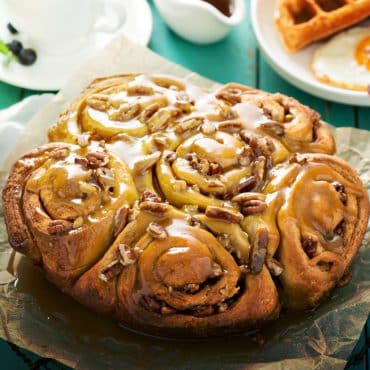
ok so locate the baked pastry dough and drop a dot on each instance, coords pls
(180, 212)
(301, 22)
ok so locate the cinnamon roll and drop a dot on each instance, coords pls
(181, 212)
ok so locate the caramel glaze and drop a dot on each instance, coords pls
(176, 211)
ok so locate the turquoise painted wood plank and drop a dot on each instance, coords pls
(339, 115)
(364, 118)
(231, 59)
(8, 95)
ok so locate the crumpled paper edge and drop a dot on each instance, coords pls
(321, 352)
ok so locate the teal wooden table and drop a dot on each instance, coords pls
(238, 59)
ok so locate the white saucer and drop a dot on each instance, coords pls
(50, 72)
(295, 68)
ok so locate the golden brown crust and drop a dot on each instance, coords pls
(176, 211)
(301, 22)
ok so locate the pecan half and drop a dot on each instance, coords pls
(111, 271)
(157, 209)
(244, 185)
(253, 206)
(120, 220)
(156, 231)
(259, 251)
(56, 227)
(224, 214)
(97, 159)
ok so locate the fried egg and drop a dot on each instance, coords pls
(344, 60)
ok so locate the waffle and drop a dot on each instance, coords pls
(301, 22)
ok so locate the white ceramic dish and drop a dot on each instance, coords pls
(198, 21)
(295, 68)
(51, 71)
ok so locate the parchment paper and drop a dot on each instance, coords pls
(36, 316)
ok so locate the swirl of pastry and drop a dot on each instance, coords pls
(322, 211)
(63, 204)
(296, 126)
(132, 104)
(168, 275)
(207, 169)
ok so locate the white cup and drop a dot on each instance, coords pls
(54, 26)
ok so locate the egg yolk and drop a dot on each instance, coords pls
(362, 53)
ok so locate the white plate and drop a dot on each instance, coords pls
(50, 72)
(295, 68)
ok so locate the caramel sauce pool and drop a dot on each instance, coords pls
(98, 341)
(226, 7)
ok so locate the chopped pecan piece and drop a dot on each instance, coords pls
(190, 288)
(188, 125)
(230, 126)
(232, 96)
(97, 159)
(139, 90)
(309, 246)
(111, 271)
(216, 270)
(274, 128)
(157, 231)
(245, 185)
(56, 227)
(159, 120)
(127, 255)
(120, 220)
(157, 209)
(59, 153)
(224, 214)
(148, 112)
(126, 113)
(259, 251)
(246, 156)
(147, 195)
(275, 267)
(98, 102)
(82, 161)
(297, 158)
